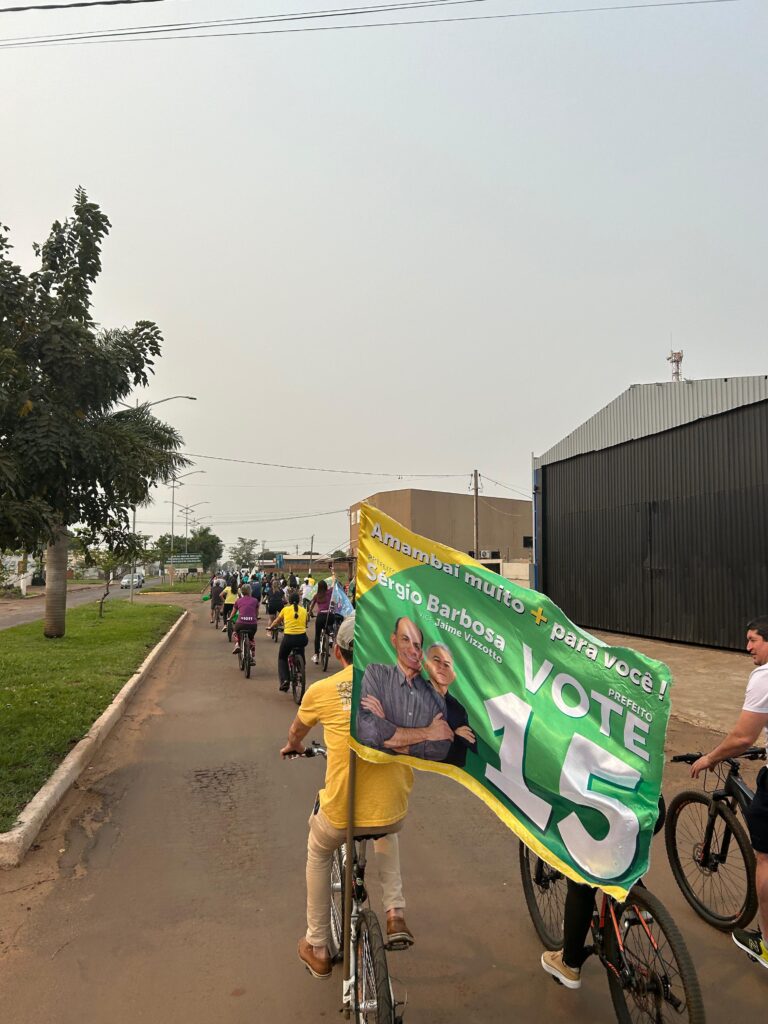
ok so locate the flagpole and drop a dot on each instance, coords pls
(347, 1002)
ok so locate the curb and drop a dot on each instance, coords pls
(15, 843)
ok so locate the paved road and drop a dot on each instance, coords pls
(169, 886)
(15, 613)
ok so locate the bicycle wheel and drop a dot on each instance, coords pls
(240, 656)
(652, 979)
(325, 651)
(372, 992)
(722, 891)
(247, 658)
(338, 867)
(298, 678)
(544, 889)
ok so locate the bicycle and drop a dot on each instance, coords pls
(297, 674)
(327, 638)
(367, 993)
(708, 848)
(275, 630)
(651, 976)
(217, 617)
(246, 654)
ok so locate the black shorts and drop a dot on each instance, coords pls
(757, 814)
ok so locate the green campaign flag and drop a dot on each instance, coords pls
(462, 672)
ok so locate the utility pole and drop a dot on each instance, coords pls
(311, 549)
(476, 515)
(173, 508)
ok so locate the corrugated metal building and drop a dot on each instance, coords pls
(652, 517)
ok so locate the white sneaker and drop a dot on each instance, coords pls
(223, 629)
(315, 659)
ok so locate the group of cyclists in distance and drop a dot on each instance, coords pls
(290, 606)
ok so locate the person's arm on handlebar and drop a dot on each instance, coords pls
(743, 735)
(296, 734)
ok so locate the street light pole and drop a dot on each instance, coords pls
(174, 479)
(149, 405)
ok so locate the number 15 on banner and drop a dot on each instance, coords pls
(606, 858)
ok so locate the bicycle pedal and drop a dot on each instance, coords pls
(397, 944)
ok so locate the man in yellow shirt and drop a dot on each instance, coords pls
(381, 804)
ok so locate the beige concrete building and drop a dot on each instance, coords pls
(505, 524)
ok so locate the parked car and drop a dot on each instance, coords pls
(138, 581)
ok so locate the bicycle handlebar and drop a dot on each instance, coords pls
(753, 754)
(314, 750)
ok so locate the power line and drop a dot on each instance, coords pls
(515, 490)
(319, 469)
(191, 26)
(498, 511)
(251, 522)
(78, 3)
(141, 34)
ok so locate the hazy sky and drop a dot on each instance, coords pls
(410, 250)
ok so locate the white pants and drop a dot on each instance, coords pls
(323, 840)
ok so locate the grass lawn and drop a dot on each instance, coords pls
(188, 587)
(52, 691)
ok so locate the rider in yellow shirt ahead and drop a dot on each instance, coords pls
(381, 804)
(294, 620)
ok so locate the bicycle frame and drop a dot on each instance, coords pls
(733, 792)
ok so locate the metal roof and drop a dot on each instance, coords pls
(645, 409)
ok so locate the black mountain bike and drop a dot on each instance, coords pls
(247, 651)
(708, 848)
(651, 976)
(327, 640)
(297, 674)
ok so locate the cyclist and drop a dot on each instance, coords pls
(565, 964)
(326, 619)
(217, 586)
(381, 804)
(275, 602)
(305, 591)
(750, 723)
(294, 619)
(228, 595)
(247, 608)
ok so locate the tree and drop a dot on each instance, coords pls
(68, 454)
(244, 552)
(160, 550)
(208, 544)
(339, 554)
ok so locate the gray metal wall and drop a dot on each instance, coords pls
(666, 536)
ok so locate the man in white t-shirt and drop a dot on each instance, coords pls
(750, 723)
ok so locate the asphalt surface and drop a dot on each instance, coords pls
(169, 885)
(16, 613)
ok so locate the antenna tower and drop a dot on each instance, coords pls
(676, 358)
